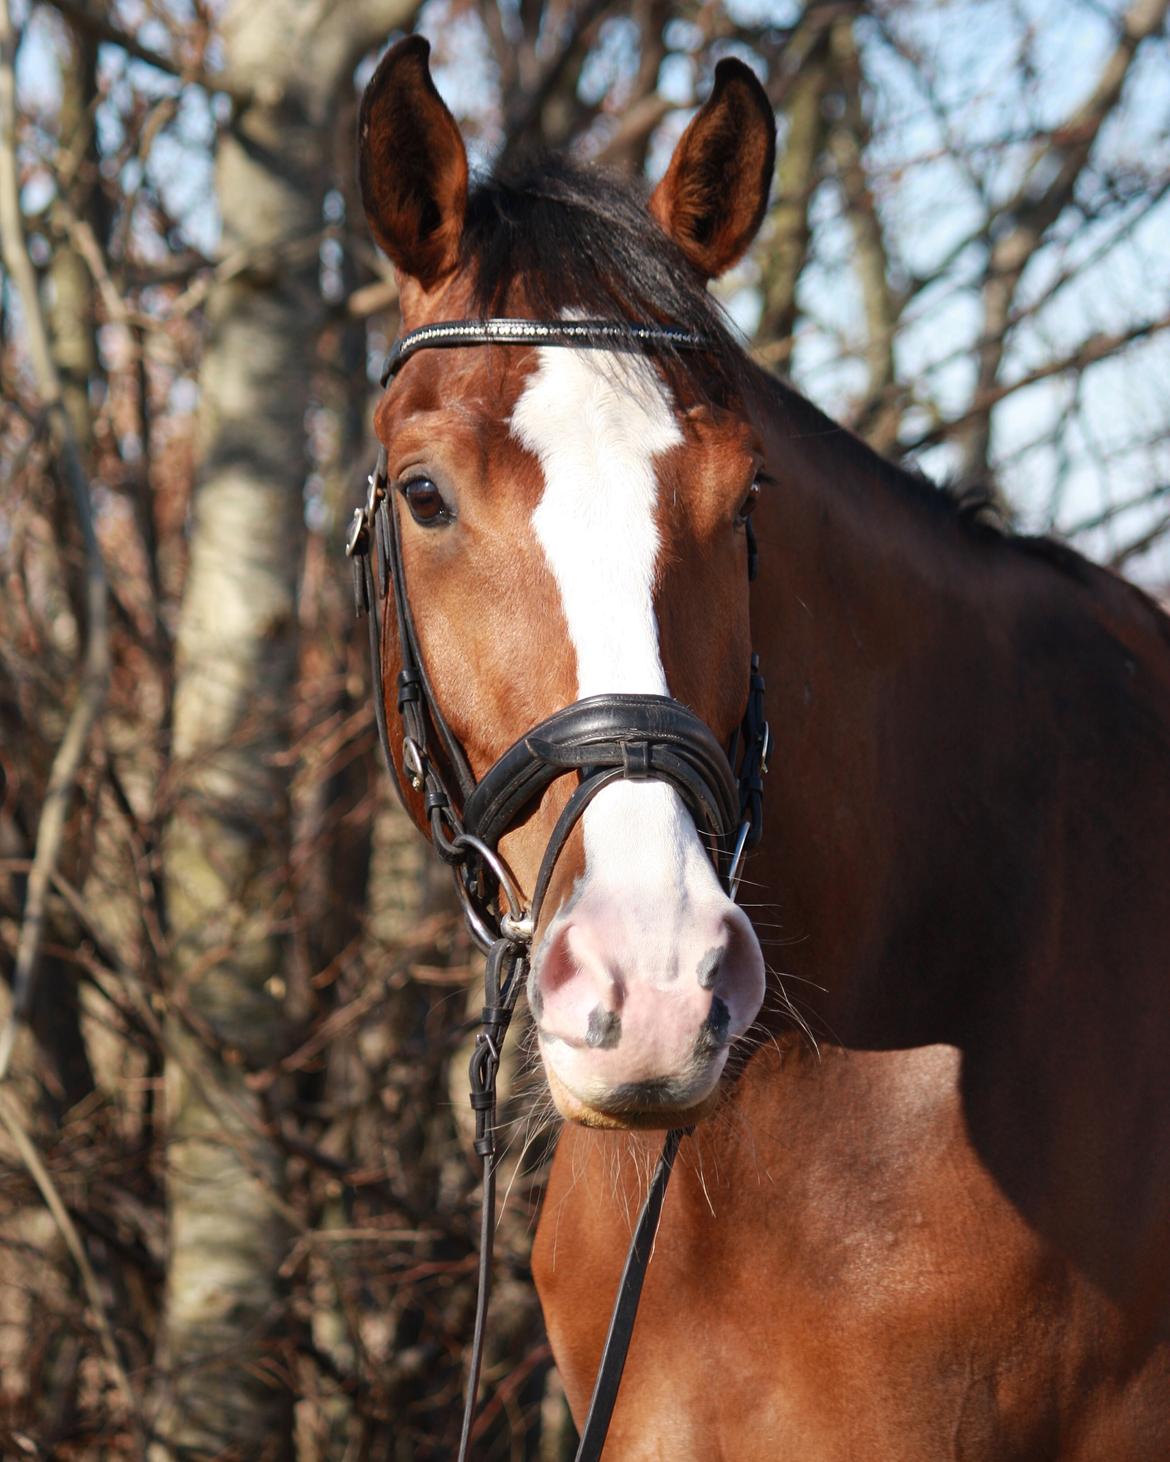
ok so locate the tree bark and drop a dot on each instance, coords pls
(225, 856)
(71, 318)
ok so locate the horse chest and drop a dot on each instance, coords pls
(827, 1286)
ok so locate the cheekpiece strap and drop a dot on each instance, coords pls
(505, 971)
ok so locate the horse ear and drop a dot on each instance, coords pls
(412, 166)
(713, 197)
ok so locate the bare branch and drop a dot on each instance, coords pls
(54, 1203)
(370, 299)
(1109, 514)
(1089, 352)
(87, 17)
(368, 23)
(633, 130)
(524, 115)
(96, 665)
(797, 175)
(879, 417)
(1138, 545)
(1032, 212)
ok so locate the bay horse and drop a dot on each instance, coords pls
(924, 1208)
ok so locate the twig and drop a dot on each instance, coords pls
(1141, 543)
(267, 259)
(1015, 231)
(54, 1203)
(1089, 352)
(634, 127)
(226, 1109)
(91, 19)
(96, 666)
(878, 418)
(368, 299)
(1108, 514)
(530, 100)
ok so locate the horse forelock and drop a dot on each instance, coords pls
(550, 237)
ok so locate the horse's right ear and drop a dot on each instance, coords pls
(713, 196)
(412, 165)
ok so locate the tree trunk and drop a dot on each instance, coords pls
(225, 857)
(226, 846)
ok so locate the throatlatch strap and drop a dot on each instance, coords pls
(416, 708)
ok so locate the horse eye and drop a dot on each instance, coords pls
(747, 507)
(425, 502)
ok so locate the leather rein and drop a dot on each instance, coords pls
(601, 739)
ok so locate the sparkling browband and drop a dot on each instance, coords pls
(589, 334)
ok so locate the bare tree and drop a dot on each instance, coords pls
(237, 1206)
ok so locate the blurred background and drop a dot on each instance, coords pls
(237, 1196)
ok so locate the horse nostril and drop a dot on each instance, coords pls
(573, 992)
(708, 967)
(734, 972)
(604, 1029)
(715, 1029)
(555, 964)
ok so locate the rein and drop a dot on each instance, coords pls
(602, 739)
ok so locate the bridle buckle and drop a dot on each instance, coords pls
(519, 931)
(733, 870)
(375, 491)
(412, 763)
(357, 531)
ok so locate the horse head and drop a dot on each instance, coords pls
(570, 547)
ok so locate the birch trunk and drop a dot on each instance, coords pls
(226, 847)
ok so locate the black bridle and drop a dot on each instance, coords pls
(602, 739)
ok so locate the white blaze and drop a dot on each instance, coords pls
(596, 426)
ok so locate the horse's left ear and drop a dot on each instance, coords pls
(412, 166)
(713, 197)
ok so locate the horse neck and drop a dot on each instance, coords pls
(882, 629)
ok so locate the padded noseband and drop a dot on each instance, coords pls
(635, 737)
